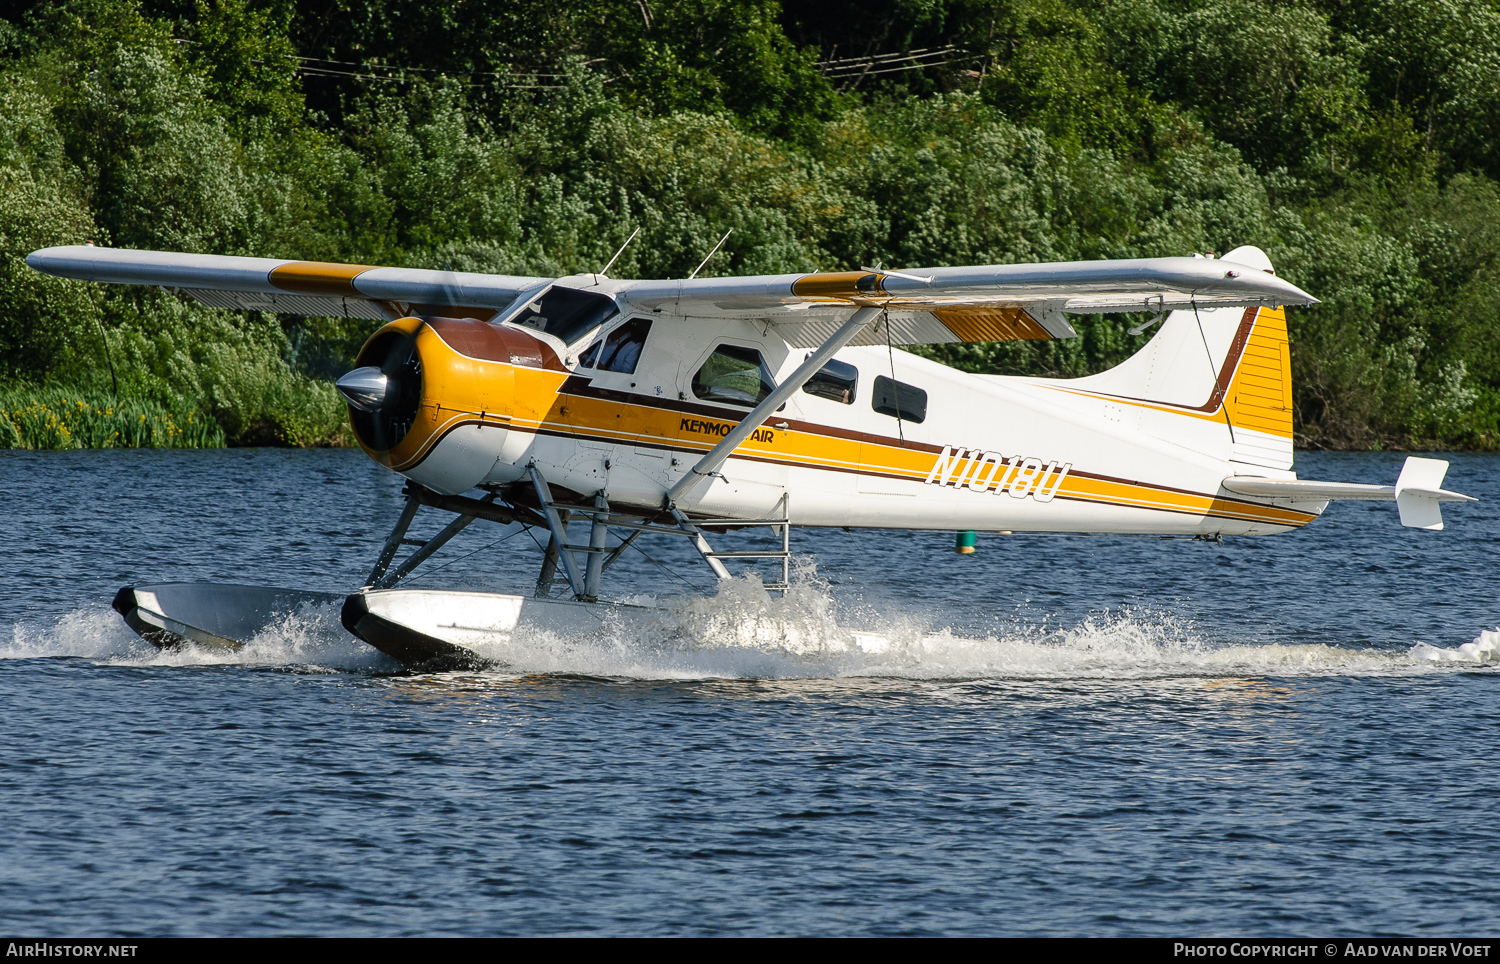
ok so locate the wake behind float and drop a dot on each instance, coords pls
(683, 408)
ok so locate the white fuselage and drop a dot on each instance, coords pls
(991, 452)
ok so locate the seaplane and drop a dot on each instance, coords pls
(599, 410)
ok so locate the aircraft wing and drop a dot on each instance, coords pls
(924, 306)
(987, 303)
(294, 287)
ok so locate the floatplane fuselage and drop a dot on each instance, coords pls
(690, 406)
(879, 438)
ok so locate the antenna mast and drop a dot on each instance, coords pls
(711, 254)
(605, 269)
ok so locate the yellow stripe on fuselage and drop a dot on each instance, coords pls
(822, 447)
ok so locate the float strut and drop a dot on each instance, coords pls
(428, 548)
(598, 536)
(614, 553)
(559, 531)
(549, 565)
(393, 541)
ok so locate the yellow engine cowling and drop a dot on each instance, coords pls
(456, 386)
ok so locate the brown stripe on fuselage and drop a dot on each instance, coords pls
(580, 386)
(1204, 513)
(1220, 507)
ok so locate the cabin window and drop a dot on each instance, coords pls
(566, 313)
(590, 358)
(622, 349)
(735, 375)
(836, 380)
(899, 400)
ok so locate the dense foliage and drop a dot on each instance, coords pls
(1357, 141)
(57, 418)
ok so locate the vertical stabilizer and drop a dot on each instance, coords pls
(1230, 367)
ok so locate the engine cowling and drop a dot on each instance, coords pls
(433, 398)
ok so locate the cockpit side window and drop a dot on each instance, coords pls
(836, 380)
(735, 375)
(566, 313)
(622, 349)
(590, 358)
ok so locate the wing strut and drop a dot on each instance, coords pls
(773, 401)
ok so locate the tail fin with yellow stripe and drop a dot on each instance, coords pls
(1224, 367)
(1211, 377)
(1258, 400)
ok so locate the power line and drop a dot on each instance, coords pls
(847, 63)
(421, 70)
(855, 69)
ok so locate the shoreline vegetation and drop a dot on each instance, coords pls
(62, 418)
(59, 419)
(1356, 141)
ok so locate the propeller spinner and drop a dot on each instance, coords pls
(367, 389)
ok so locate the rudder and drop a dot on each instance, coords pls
(1258, 401)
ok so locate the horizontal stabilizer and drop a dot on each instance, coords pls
(1310, 491)
(1416, 493)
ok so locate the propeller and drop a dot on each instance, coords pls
(384, 390)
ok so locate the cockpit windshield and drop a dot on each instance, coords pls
(566, 314)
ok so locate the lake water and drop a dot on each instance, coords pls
(1070, 735)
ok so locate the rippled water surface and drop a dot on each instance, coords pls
(1067, 735)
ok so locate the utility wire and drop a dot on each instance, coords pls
(926, 57)
(466, 555)
(895, 385)
(680, 578)
(1213, 373)
(917, 54)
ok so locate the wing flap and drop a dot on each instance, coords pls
(312, 305)
(812, 328)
